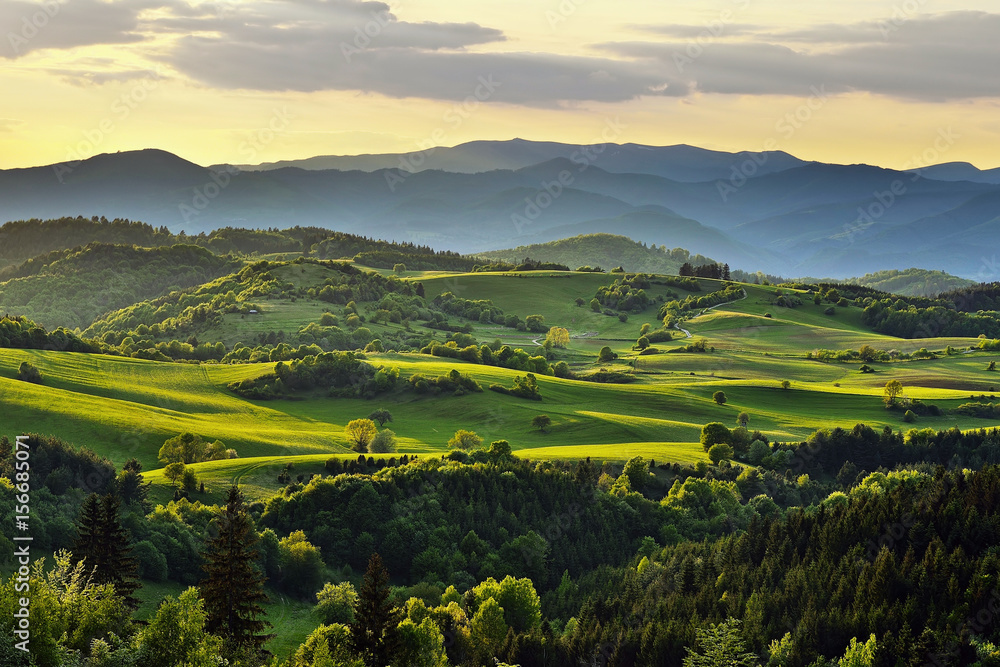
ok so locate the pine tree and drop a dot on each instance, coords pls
(119, 567)
(86, 546)
(233, 589)
(131, 487)
(105, 547)
(373, 632)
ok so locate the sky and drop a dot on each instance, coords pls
(896, 83)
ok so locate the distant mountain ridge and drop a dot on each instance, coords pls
(680, 162)
(799, 218)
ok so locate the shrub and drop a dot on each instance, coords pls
(28, 373)
(383, 442)
(720, 452)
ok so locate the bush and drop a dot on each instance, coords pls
(335, 603)
(383, 442)
(720, 452)
(830, 311)
(28, 373)
(909, 416)
(606, 354)
(467, 440)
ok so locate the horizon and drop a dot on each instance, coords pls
(210, 164)
(255, 82)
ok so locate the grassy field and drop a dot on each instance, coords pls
(123, 407)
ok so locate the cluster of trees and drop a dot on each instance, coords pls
(19, 332)
(671, 310)
(896, 317)
(713, 270)
(626, 293)
(503, 356)
(191, 448)
(456, 383)
(868, 354)
(345, 374)
(441, 260)
(477, 310)
(545, 563)
(525, 386)
(527, 264)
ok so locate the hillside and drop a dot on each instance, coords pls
(788, 218)
(912, 282)
(72, 288)
(602, 250)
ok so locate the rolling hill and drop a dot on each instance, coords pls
(788, 217)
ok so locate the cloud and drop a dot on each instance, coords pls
(718, 29)
(10, 124)
(928, 58)
(33, 26)
(298, 46)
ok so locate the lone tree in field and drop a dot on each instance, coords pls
(360, 432)
(541, 422)
(719, 397)
(785, 384)
(893, 390)
(743, 419)
(465, 440)
(233, 588)
(373, 632)
(381, 416)
(105, 548)
(606, 354)
(558, 336)
(992, 366)
(383, 442)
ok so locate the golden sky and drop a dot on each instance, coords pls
(900, 83)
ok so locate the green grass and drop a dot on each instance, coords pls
(292, 619)
(124, 407)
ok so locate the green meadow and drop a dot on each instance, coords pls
(123, 407)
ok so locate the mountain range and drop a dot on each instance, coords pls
(757, 211)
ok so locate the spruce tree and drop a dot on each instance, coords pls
(86, 546)
(105, 547)
(119, 567)
(233, 589)
(131, 486)
(373, 633)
